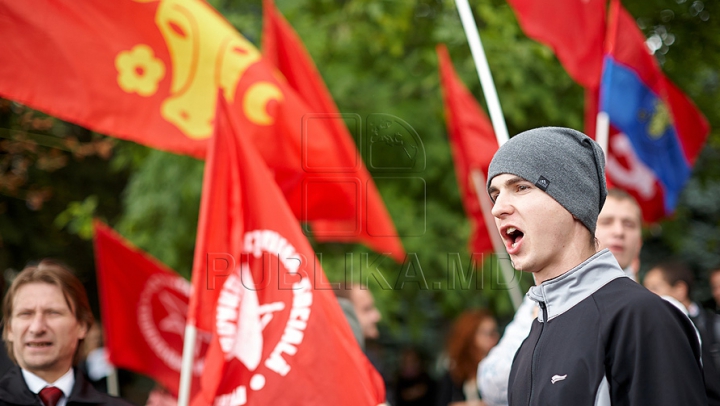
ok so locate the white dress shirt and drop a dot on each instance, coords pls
(65, 383)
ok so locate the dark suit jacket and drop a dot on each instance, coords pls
(15, 392)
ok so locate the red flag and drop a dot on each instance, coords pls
(143, 306)
(279, 335)
(473, 145)
(283, 48)
(150, 71)
(656, 131)
(574, 29)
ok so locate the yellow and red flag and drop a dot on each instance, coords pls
(279, 335)
(149, 71)
(372, 224)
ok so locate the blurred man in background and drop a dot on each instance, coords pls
(358, 304)
(619, 229)
(676, 280)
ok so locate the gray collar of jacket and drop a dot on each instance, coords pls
(563, 292)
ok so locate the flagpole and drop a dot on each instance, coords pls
(113, 386)
(187, 365)
(602, 131)
(501, 134)
(505, 267)
(486, 80)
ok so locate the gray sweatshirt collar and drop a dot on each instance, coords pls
(563, 292)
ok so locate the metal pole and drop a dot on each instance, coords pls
(486, 80)
(187, 365)
(602, 131)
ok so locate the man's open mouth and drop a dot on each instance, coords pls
(514, 235)
(39, 344)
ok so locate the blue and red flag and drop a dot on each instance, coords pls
(663, 131)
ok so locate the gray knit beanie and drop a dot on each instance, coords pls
(566, 164)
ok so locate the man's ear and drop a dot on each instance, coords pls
(83, 330)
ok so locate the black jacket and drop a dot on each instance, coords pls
(5, 362)
(603, 339)
(704, 321)
(15, 392)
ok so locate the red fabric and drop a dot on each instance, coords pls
(50, 395)
(279, 335)
(473, 144)
(150, 72)
(626, 43)
(574, 29)
(592, 98)
(284, 49)
(143, 306)
(624, 170)
(692, 126)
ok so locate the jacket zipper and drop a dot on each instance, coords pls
(533, 366)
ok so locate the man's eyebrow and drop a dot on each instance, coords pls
(512, 181)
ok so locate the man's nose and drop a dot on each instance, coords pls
(502, 207)
(38, 324)
(617, 228)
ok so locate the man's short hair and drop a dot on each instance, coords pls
(56, 273)
(620, 195)
(674, 271)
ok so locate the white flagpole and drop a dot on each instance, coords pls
(488, 86)
(602, 131)
(113, 386)
(505, 267)
(501, 133)
(187, 365)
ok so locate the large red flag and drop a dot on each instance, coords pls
(143, 306)
(279, 336)
(283, 48)
(150, 71)
(574, 29)
(656, 131)
(473, 145)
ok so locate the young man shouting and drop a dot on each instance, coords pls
(600, 338)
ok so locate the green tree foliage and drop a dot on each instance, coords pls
(54, 177)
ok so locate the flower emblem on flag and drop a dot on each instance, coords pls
(139, 71)
(207, 55)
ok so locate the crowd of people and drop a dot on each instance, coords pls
(587, 333)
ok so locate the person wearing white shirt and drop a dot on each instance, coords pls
(47, 315)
